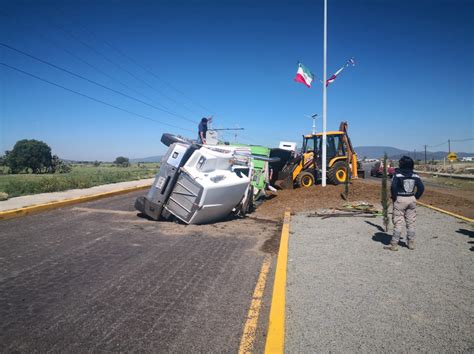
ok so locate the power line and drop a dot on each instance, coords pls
(443, 143)
(157, 77)
(90, 47)
(450, 141)
(61, 12)
(130, 59)
(90, 97)
(151, 73)
(93, 82)
(462, 140)
(110, 77)
(123, 54)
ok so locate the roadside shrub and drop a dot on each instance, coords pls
(3, 196)
(18, 187)
(59, 166)
(80, 177)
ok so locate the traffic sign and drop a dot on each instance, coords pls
(452, 156)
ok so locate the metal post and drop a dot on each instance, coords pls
(314, 123)
(313, 116)
(425, 154)
(323, 182)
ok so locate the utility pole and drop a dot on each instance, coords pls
(323, 181)
(314, 122)
(313, 116)
(414, 155)
(425, 154)
(449, 145)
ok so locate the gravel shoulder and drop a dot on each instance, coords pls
(346, 294)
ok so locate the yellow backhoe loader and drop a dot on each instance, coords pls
(305, 169)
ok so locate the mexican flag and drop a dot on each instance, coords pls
(303, 75)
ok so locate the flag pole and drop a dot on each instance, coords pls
(324, 92)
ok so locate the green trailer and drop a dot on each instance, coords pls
(260, 174)
(260, 170)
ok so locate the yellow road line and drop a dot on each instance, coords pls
(276, 328)
(9, 214)
(446, 212)
(250, 328)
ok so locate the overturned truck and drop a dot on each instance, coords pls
(199, 184)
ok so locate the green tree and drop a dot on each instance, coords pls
(29, 154)
(122, 161)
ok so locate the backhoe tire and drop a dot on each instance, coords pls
(305, 179)
(337, 174)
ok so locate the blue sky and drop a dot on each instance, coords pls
(236, 59)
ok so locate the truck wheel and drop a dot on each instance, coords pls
(337, 174)
(169, 139)
(305, 179)
(248, 205)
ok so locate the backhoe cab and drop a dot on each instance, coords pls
(305, 169)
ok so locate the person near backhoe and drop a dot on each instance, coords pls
(406, 188)
(202, 130)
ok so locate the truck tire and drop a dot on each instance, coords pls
(337, 174)
(247, 205)
(169, 139)
(305, 179)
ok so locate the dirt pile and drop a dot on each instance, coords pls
(308, 199)
(317, 197)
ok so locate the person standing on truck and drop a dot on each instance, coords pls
(406, 188)
(202, 129)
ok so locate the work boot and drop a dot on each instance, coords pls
(411, 244)
(391, 247)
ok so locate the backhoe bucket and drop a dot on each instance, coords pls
(285, 176)
(286, 183)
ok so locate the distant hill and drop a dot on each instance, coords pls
(376, 152)
(147, 159)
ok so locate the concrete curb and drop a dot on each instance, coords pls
(14, 213)
(276, 328)
(446, 212)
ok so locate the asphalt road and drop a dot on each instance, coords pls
(95, 277)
